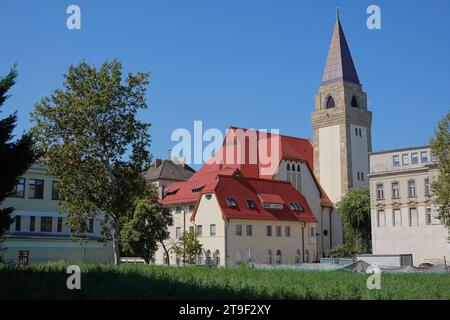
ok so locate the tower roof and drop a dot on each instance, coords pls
(339, 61)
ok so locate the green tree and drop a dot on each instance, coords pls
(188, 247)
(148, 227)
(440, 147)
(94, 145)
(15, 156)
(354, 211)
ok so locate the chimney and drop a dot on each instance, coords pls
(158, 162)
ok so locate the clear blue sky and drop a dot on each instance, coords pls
(251, 63)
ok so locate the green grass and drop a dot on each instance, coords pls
(48, 281)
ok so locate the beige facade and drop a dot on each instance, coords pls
(40, 229)
(224, 245)
(402, 210)
(328, 231)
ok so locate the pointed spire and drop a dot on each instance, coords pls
(339, 61)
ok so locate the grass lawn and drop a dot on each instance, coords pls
(48, 281)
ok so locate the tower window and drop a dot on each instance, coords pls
(330, 103)
(354, 103)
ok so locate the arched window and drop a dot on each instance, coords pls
(298, 168)
(208, 257)
(288, 167)
(279, 259)
(354, 103)
(216, 257)
(238, 257)
(178, 259)
(307, 255)
(200, 258)
(269, 257)
(298, 257)
(330, 103)
(165, 258)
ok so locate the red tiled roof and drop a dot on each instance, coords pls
(270, 198)
(290, 148)
(242, 189)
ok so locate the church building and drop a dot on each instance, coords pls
(286, 217)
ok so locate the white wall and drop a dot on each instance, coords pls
(330, 161)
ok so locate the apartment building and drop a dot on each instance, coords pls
(403, 214)
(39, 233)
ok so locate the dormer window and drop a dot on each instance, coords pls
(231, 202)
(198, 188)
(295, 206)
(330, 103)
(251, 204)
(354, 103)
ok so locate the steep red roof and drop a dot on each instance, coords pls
(248, 161)
(241, 189)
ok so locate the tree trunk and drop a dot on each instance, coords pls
(167, 252)
(116, 244)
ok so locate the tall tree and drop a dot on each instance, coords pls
(440, 147)
(354, 210)
(188, 247)
(16, 156)
(94, 144)
(148, 227)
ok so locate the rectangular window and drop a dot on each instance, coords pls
(239, 230)
(405, 159)
(199, 230)
(191, 207)
(424, 156)
(414, 158)
(395, 190)
(212, 230)
(177, 232)
(381, 219)
(411, 188)
(396, 160)
(178, 209)
(269, 231)
(413, 220)
(287, 231)
(380, 191)
(427, 187)
(312, 232)
(249, 230)
(429, 216)
(32, 223)
(191, 229)
(46, 224)
(55, 193)
(60, 224)
(18, 223)
(91, 226)
(19, 189)
(35, 189)
(278, 231)
(397, 218)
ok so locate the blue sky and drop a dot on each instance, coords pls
(253, 63)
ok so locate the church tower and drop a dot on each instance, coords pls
(341, 123)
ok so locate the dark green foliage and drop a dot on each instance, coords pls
(188, 247)
(151, 282)
(440, 146)
(146, 228)
(15, 156)
(354, 211)
(345, 250)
